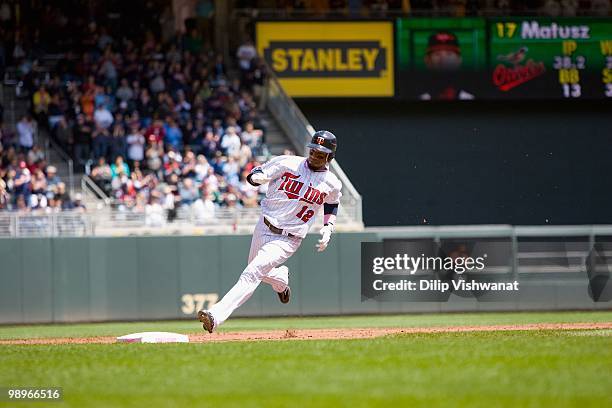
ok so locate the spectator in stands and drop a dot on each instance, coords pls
(188, 192)
(168, 201)
(4, 196)
(192, 136)
(40, 101)
(78, 203)
(154, 213)
(108, 68)
(119, 168)
(204, 209)
(248, 192)
(231, 121)
(246, 53)
(118, 141)
(182, 107)
(30, 164)
(189, 165)
(36, 155)
(254, 79)
(231, 171)
(231, 201)
(52, 177)
(230, 143)
(174, 136)
(252, 138)
(144, 107)
(87, 101)
(244, 155)
(102, 175)
(156, 132)
(136, 143)
(201, 168)
(125, 93)
(211, 181)
(62, 198)
(9, 178)
(25, 130)
(103, 118)
(157, 83)
(38, 199)
(172, 166)
(154, 155)
(217, 162)
(211, 144)
(22, 182)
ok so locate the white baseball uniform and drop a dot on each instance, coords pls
(295, 194)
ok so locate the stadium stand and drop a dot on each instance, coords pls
(154, 124)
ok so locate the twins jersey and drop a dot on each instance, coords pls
(296, 193)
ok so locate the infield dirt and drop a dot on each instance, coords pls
(323, 334)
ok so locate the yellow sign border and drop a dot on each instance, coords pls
(382, 31)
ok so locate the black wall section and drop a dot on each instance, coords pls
(474, 163)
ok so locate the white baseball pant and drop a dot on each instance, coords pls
(268, 251)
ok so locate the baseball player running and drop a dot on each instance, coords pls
(298, 188)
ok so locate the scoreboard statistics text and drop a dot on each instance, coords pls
(505, 58)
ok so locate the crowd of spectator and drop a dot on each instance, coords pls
(157, 125)
(165, 124)
(28, 184)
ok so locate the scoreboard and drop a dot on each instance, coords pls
(504, 58)
(551, 58)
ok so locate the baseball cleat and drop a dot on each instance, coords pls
(208, 322)
(284, 295)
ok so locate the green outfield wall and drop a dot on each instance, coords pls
(137, 278)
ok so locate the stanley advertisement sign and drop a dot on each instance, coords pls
(336, 59)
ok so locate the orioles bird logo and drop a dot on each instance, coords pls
(516, 57)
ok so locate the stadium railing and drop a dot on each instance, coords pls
(120, 221)
(62, 224)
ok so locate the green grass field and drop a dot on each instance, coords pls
(518, 369)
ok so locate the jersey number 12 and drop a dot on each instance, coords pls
(305, 215)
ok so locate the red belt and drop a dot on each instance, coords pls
(274, 229)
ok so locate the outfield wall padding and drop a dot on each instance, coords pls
(143, 278)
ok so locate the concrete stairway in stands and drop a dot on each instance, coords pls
(276, 140)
